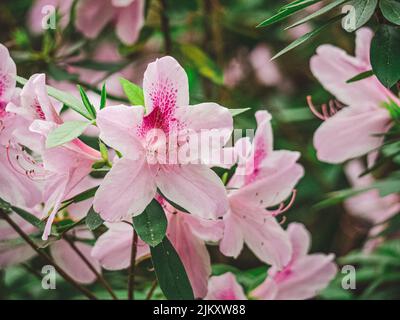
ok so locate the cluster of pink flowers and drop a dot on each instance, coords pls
(244, 211)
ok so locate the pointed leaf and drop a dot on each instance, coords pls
(391, 10)
(133, 92)
(171, 273)
(86, 102)
(151, 225)
(66, 132)
(93, 220)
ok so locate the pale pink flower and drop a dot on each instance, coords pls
(352, 131)
(189, 234)
(113, 248)
(133, 181)
(225, 287)
(369, 205)
(15, 187)
(267, 71)
(262, 180)
(234, 72)
(41, 9)
(93, 15)
(303, 277)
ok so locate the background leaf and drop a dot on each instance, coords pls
(66, 132)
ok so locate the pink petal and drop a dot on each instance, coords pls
(350, 133)
(233, 240)
(363, 44)
(113, 248)
(93, 15)
(118, 129)
(333, 67)
(196, 188)
(11, 255)
(224, 287)
(300, 240)
(126, 190)
(130, 21)
(69, 260)
(8, 71)
(165, 86)
(192, 251)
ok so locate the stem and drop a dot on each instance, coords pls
(100, 278)
(131, 279)
(152, 289)
(165, 27)
(46, 257)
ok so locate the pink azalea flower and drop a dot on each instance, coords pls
(264, 179)
(305, 274)
(148, 161)
(62, 168)
(369, 205)
(350, 132)
(189, 234)
(225, 287)
(93, 15)
(267, 71)
(39, 12)
(15, 187)
(113, 248)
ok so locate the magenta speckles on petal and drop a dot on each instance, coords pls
(2, 109)
(39, 111)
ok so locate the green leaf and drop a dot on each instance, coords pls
(67, 99)
(133, 92)
(171, 273)
(103, 97)
(66, 132)
(202, 63)
(318, 13)
(361, 76)
(86, 102)
(93, 220)
(287, 11)
(151, 225)
(361, 12)
(29, 217)
(391, 10)
(236, 112)
(306, 37)
(88, 194)
(385, 53)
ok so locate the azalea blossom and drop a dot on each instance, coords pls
(369, 205)
(225, 287)
(15, 187)
(352, 131)
(146, 142)
(264, 178)
(128, 15)
(305, 274)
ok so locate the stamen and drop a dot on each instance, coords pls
(327, 109)
(283, 208)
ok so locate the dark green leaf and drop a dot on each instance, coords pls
(318, 13)
(171, 273)
(361, 76)
(93, 220)
(66, 132)
(287, 11)
(151, 225)
(28, 217)
(83, 195)
(385, 53)
(306, 37)
(391, 10)
(86, 102)
(103, 97)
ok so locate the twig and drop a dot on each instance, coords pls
(165, 27)
(131, 279)
(46, 257)
(152, 289)
(100, 278)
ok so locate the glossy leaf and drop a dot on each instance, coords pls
(133, 92)
(391, 10)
